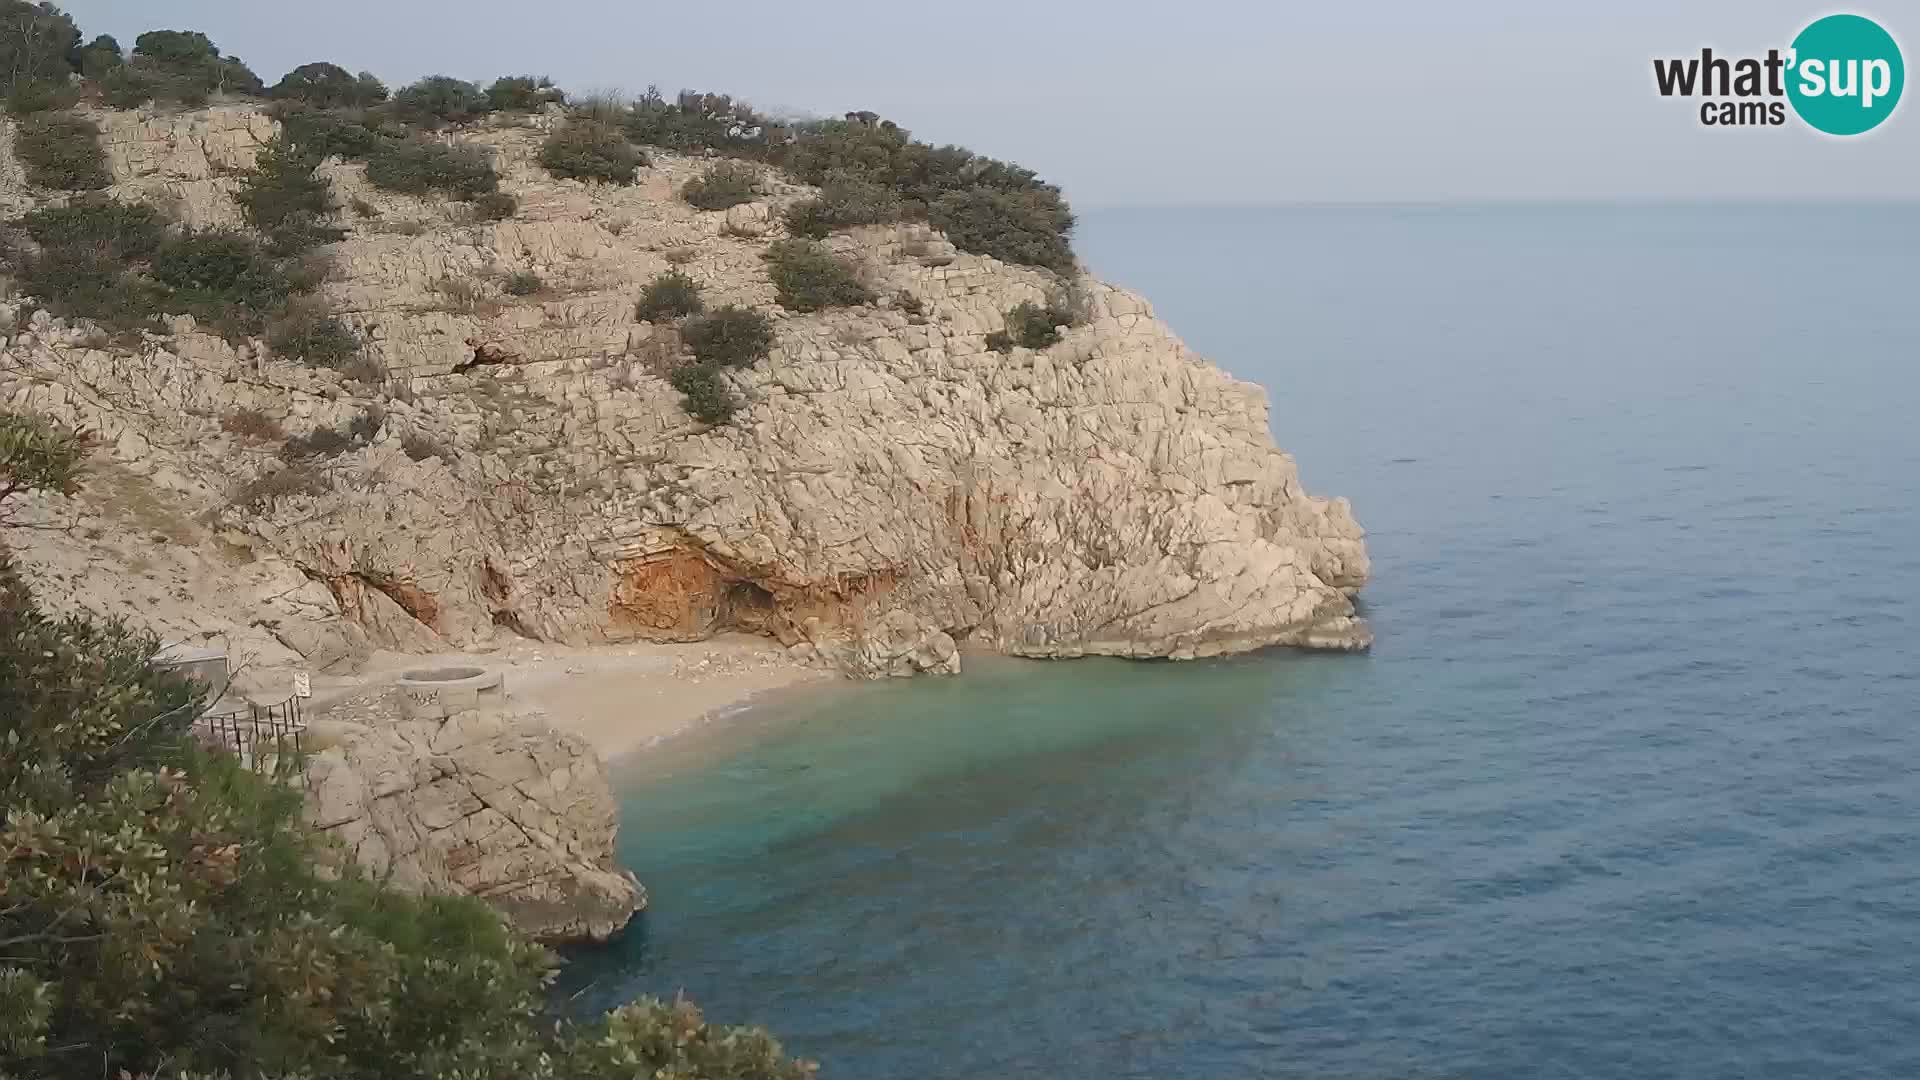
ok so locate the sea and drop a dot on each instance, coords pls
(1629, 786)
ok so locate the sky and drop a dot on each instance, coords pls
(1131, 103)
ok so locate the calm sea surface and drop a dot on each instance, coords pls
(1629, 787)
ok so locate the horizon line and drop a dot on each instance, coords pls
(1491, 201)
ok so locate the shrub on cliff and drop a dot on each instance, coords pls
(225, 279)
(127, 87)
(706, 395)
(62, 152)
(41, 95)
(732, 336)
(284, 198)
(353, 134)
(590, 150)
(695, 121)
(439, 100)
(846, 199)
(986, 206)
(329, 86)
(87, 283)
(808, 277)
(1025, 227)
(523, 93)
(672, 295)
(413, 167)
(100, 56)
(728, 183)
(308, 332)
(1033, 326)
(185, 66)
(166, 911)
(118, 230)
(495, 206)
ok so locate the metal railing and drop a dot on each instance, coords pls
(242, 731)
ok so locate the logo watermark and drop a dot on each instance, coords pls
(1842, 75)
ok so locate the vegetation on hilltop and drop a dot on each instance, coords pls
(166, 912)
(870, 172)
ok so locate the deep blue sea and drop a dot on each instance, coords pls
(1628, 788)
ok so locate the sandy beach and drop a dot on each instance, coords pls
(620, 698)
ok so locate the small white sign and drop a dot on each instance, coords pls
(302, 685)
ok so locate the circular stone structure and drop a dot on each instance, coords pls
(438, 693)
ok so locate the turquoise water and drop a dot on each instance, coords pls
(1627, 788)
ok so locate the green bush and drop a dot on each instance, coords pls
(987, 207)
(1029, 228)
(696, 122)
(732, 336)
(1032, 326)
(439, 100)
(307, 332)
(101, 56)
(283, 197)
(669, 296)
(728, 183)
(353, 135)
(40, 95)
(416, 168)
(128, 87)
(523, 93)
(189, 67)
(523, 283)
(328, 86)
(62, 152)
(88, 283)
(224, 279)
(118, 230)
(845, 200)
(708, 398)
(589, 150)
(808, 277)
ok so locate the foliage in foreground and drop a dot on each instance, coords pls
(164, 912)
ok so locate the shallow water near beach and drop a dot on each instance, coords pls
(1627, 787)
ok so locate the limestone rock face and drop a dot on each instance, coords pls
(494, 806)
(890, 490)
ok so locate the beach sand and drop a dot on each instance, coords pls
(620, 698)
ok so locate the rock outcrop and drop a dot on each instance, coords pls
(892, 489)
(482, 804)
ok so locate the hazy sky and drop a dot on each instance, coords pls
(1127, 102)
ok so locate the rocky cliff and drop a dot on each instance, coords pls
(892, 489)
(477, 803)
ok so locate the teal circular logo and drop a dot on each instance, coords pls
(1845, 74)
